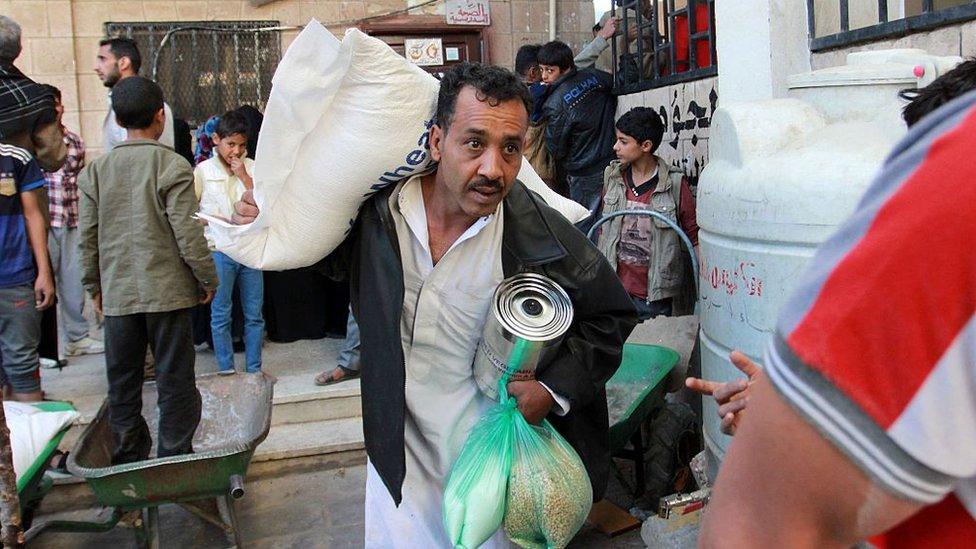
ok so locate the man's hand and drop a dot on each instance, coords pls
(534, 401)
(609, 28)
(246, 210)
(208, 296)
(43, 290)
(97, 303)
(732, 397)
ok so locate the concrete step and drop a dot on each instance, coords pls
(298, 400)
(295, 440)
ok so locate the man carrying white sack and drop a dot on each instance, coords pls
(424, 259)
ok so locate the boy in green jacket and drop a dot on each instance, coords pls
(145, 264)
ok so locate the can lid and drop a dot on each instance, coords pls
(533, 307)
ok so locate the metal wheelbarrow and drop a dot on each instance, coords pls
(235, 418)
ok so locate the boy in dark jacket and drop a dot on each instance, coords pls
(580, 113)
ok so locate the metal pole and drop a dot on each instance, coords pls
(662, 217)
(11, 534)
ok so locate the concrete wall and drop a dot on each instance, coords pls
(957, 39)
(61, 36)
(687, 113)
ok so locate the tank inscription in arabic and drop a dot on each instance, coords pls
(735, 280)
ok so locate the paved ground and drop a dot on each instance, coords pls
(313, 502)
(321, 508)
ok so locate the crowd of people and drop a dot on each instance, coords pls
(848, 442)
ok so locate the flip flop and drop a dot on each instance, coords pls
(326, 378)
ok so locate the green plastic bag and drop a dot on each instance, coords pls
(509, 471)
(549, 492)
(474, 498)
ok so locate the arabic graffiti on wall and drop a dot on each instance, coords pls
(687, 110)
(468, 12)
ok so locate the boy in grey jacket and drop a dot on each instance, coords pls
(145, 264)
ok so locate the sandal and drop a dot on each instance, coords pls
(329, 377)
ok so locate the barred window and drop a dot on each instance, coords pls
(207, 67)
(842, 23)
(674, 41)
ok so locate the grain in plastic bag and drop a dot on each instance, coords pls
(474, 498)
(549, 492)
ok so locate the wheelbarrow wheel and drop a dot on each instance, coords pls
(149, 535)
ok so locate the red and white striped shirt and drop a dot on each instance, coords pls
(877, 348)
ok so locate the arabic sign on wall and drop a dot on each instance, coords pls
(468, 12)
(426, 52)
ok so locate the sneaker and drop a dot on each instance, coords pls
(84, 346)
(49, 363)
(226, 372)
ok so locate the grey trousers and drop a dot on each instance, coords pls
(62, 244)
(349, 353)
(20, 334)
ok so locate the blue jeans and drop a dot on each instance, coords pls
(349, 353)
(251, 284)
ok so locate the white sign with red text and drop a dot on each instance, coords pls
(468, 12)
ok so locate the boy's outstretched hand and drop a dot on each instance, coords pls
(732, 397)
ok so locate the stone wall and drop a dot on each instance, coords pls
(957, 39)
(61, 36)
(687, 111)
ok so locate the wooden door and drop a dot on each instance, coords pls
(459, 43)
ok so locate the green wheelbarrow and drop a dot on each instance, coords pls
(33, 485)
(236, 417)
(634, 391)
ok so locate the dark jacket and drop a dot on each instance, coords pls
(536, 238)
(28, 119)
(580, 112)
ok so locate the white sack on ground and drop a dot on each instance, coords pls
(343, 120)
(30, 431)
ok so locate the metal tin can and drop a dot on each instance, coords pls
(529, 315)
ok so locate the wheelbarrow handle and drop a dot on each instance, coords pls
(236, 486)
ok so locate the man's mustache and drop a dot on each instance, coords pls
(485, 184)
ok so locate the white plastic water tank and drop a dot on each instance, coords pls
(782, 175)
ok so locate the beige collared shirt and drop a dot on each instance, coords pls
(218, 189)
(444, 311)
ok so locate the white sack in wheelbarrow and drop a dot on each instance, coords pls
(343, 120)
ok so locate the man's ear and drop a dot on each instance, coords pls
(124, 64)
(436, 141)
(647, 146)
(160, 116)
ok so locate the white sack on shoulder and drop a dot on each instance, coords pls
(343, 121)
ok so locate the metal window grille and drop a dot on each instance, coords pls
(675, 43)
(933, 14)
(207, 67)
